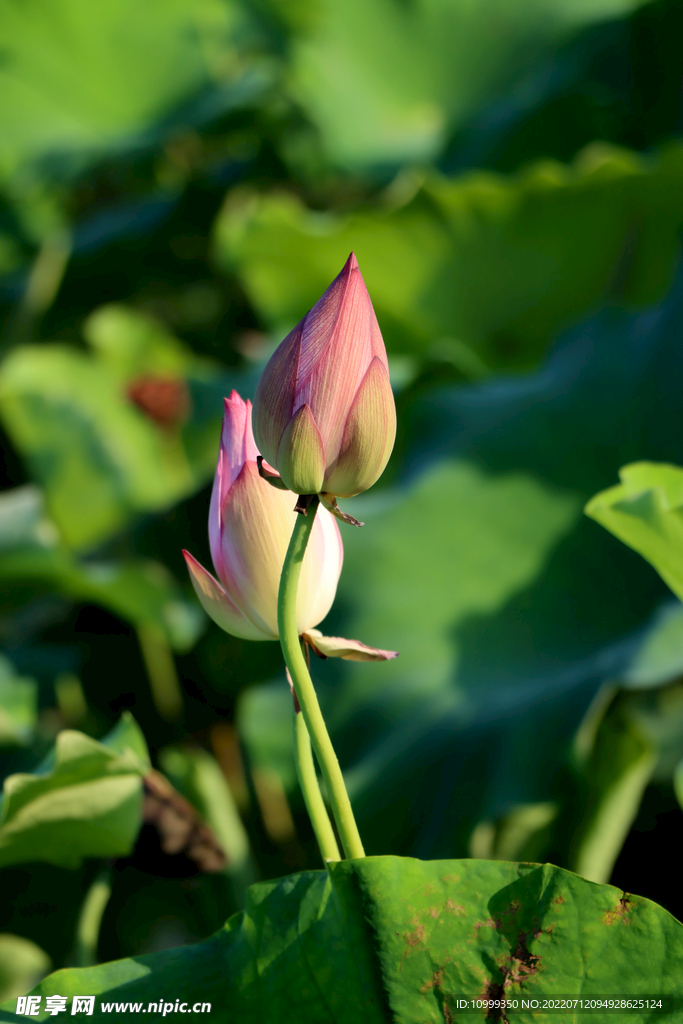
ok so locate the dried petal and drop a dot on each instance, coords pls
(266, 473)
(350, 650)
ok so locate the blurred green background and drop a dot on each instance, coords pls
(179, 182)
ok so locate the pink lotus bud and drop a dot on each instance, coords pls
(250, 524)
(324, 412)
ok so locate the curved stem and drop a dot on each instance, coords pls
(161, 670)
(90, 919)
(313, 798)
(305, 691)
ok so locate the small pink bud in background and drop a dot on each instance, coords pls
(324, 412)
(250, 525)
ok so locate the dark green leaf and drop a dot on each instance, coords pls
(78, 78)
(385, 82)
(391, 939)
(141, 591)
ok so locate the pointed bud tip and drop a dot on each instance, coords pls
(352, 262)
(190, 560)
(234, 396)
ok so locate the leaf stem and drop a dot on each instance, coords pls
(90, 919)
(313, 798)
(161, 671)
(303, 686)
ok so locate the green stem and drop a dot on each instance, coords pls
(161, 671)
(44, 281)
(90, 919)
(305, 691)
(313, 798)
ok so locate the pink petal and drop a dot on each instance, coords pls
(236, 447)
(275, 395)
(321, 363)
(336, 350)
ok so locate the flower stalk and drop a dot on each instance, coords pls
(313, 798)
(303, 685)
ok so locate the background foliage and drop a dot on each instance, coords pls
(178, 184)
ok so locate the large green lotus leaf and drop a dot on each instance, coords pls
(386, 82)
(133, 344)
(79, 78)
(101, 458)
(387, 939)
(139, 590)
(646, 511)
(84, 800)
(485, 262)
(458, 543)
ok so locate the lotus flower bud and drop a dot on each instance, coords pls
(324, 413)
(250, 524)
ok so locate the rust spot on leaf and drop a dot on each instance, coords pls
(428, 888)
(412, 939)
(434, 981)
(522, 962)
(455, 908)
(559, 899)
(434, 911)
(515, 969)
(490, 923)
(619, 913)
(416, 937)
